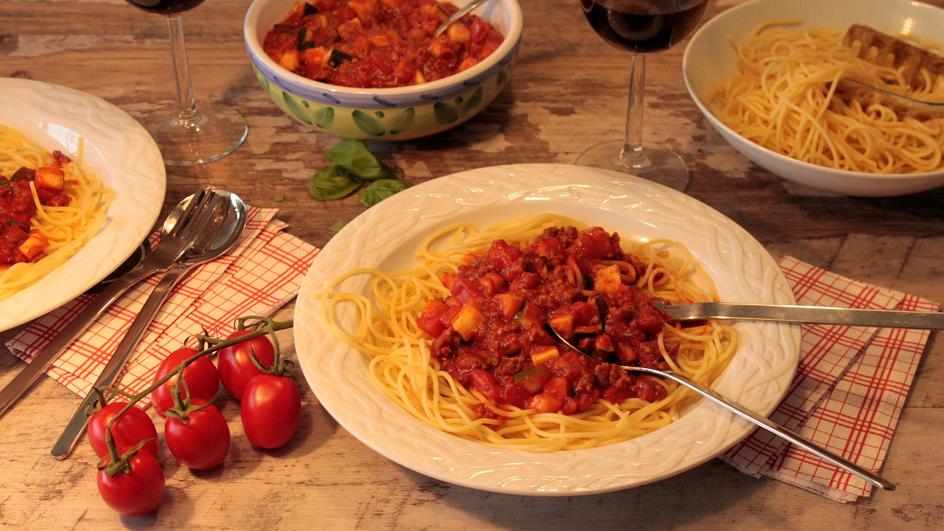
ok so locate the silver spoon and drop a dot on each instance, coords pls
(224, 225)
(177, 235)
(750, 416)
(463, 11)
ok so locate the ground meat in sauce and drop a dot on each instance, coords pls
(490, 333)
(17, 209)
(378, 43)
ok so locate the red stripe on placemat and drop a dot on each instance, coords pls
(848, 391)
(262, 272)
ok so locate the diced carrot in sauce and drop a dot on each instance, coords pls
(48, 178)
(468, 319)
(542, 354)
(510, 304)
(33, 246)
(563, 324)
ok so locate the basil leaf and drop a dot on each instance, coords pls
(380, 190)
(354, 157)
(332, 183)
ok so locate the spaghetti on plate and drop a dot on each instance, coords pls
(461, 340)
(49, 208)
(790, 98)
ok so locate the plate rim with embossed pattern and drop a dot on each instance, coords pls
(118, 150)
(386, 235)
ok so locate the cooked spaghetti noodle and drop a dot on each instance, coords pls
(402, 361)
(790, 97)
(63, 229)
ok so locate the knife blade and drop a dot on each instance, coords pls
(804, 314)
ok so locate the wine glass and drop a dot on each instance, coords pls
(187, 134)
(641, 27)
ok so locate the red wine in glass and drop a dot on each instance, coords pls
(186, 133)
(641, 27)
(644, 27)
(165, 7)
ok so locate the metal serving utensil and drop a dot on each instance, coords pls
(221, 231)
(180, 229)
(886, 50)
(803, 314)
(463, 11)
(752, 417)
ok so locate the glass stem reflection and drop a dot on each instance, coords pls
(186, 103)
(632, 156)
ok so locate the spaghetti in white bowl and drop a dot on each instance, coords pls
(768, 76)
(121, 163)
(386, 238)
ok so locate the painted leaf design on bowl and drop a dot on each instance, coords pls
(445, 113)
(501, 78)
(402, 121)
(473, 100)
(367, 123)
(295, 108)
(324, 117)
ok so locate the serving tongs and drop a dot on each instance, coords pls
(887, 51)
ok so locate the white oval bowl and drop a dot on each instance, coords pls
(709, 60)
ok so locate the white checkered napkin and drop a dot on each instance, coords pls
(262, 272)
(848, 392)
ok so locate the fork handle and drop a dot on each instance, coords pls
(29, 374)
(76, 426)
(774, 428)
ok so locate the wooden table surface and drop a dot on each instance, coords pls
(567, 93)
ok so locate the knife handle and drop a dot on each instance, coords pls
(76, 426)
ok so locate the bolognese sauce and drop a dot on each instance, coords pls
(18, 242)
(490, 333)
(378, 43)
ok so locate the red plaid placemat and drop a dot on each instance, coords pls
(261, 273)
(848, 392)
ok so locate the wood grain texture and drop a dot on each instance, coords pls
(567, 93)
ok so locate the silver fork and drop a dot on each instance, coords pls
(180, 229)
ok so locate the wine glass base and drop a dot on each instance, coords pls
(660, 165)
(213, 132)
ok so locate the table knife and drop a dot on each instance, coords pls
(804, 314)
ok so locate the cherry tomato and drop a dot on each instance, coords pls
(134, 426)
(201, 376)
(200, 442)
(139, 491)
(270, 410)
(236, 367)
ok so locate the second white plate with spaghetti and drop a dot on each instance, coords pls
(387, 235)
(118, 151)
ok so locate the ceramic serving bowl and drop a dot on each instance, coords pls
(709, 60)
(400, 113)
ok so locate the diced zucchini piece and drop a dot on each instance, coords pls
(467, 320)
(541, 354)
(607, 279)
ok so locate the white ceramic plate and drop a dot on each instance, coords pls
(709, 60)
(116, 149)
(387, 235)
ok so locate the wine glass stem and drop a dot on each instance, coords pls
(186, 104)
(631, 155)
